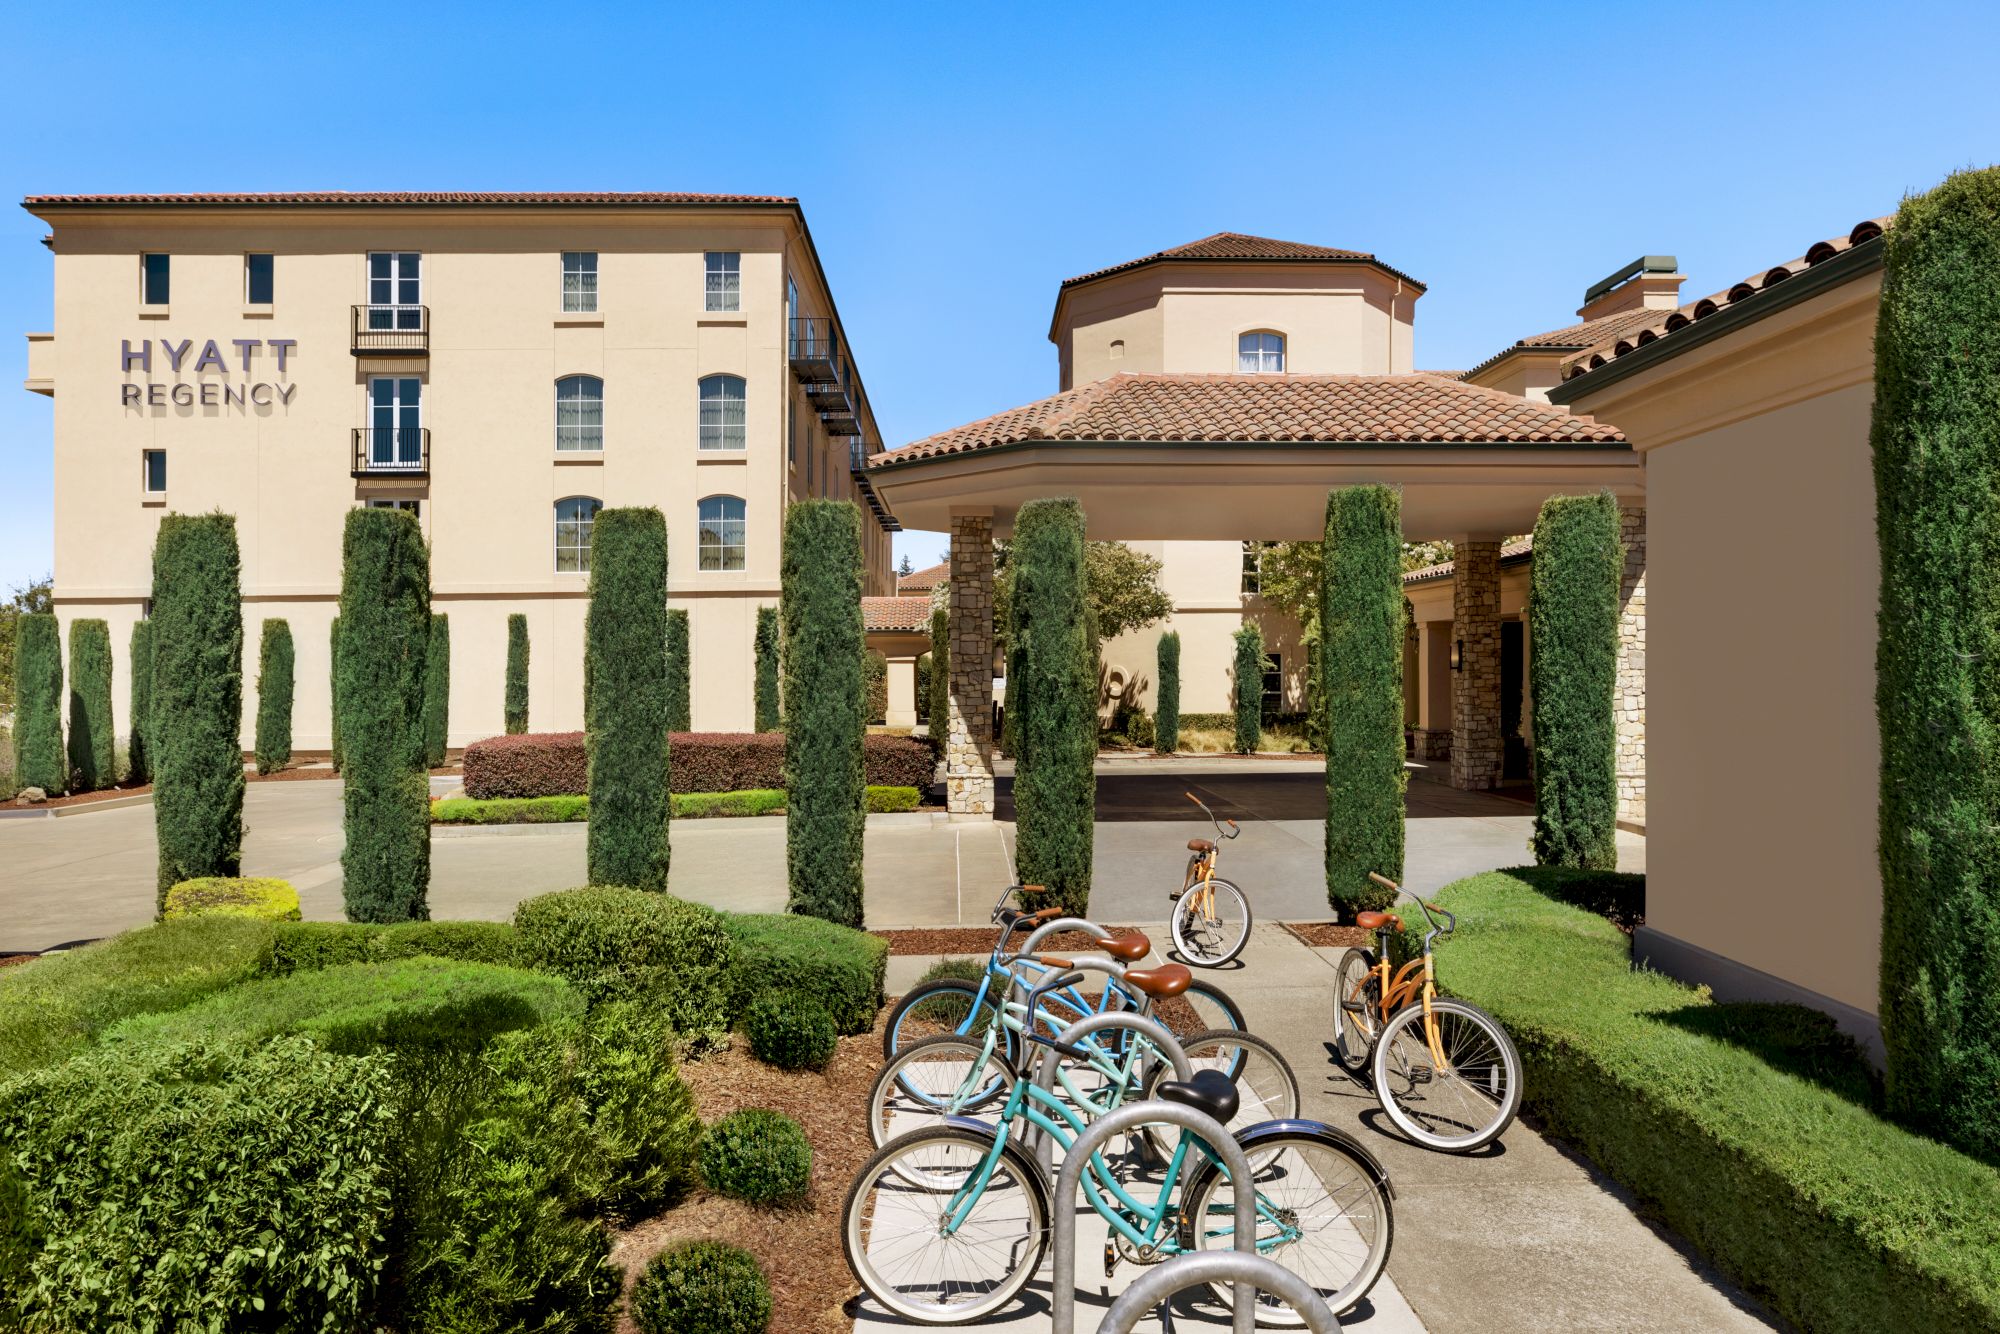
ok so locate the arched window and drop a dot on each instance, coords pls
(579, 413)
(722, 533)
(574, 516)
(722, 412)
(1260, 352)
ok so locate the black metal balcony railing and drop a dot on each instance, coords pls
(397, 451)
(844, 417)
(392, 331)
(813, 354)
(826, 394)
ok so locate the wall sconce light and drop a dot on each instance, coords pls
(1457, 654)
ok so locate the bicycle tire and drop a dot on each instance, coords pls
(1396, 1072)
(894, 1039)
(1354, 1031)
(911, 1099)
(1187, 943)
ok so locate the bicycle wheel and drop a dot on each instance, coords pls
(1211, 924)
(1266, 1088)
(944, 1006)
(1202, 1008)
(938, 1077)
(1463, 1105)
(1357, 1013)
(900, 1249)
(1321, 1212)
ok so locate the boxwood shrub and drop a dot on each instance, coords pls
(554, 764)
(701, 1287)
(840, 966)
(630, 944)
(757, 1155)
(223, 896)
(791, 1031)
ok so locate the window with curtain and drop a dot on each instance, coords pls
(579, 413)
(574, 516)
(722, 412)
(579, 281)
(725, 280)
(722, 533)
(1260, 353)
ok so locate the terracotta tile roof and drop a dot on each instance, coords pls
(896, 613)
(1237, 246)
(403, 197)
(1510, 553)
(924, 580)
(1666, 323)
(1391, 409)
(1575, 337)
(1444, 375)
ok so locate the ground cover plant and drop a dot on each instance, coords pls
(1055, 690)
(629, 710)
(92, 745)
(267, 899)
(1361, 680)
(825, 709)
(1573, 625)
(274, 696)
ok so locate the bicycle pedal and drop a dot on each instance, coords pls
(1110, 1259)
(1420, 1074)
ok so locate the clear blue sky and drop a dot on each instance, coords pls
(957, 161)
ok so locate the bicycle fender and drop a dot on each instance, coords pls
(1250, 1136)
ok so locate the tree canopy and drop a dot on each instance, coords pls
(1121, 588)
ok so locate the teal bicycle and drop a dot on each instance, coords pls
(947, 1224)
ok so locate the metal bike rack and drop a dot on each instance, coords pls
(1047, 929)
(1191, 1270)
(1045, 1063)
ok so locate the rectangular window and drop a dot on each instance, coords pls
(154, 471)
(725, 280)
(1253, 566)
(579, 281)
(1274, 684)
(379, 504)
(395, 424)
(259, 279)
(395, 290)
(153, 279)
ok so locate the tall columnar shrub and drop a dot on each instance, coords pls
(1055, 786)
(820, 612)
(38, 678)
(1249, 687)
(923, 687)
(139, 748)
(1361, 673)
(1936, 440)
(333, 693)
(93, 750)
(274, 696)
(1167, 704)
(767, 719)
(1573, 670)
(385, 631)
(517, 674)
(940, 703)
(875, 681)
(437, 691)
(680, 676)
(197, 698)
(631, 684)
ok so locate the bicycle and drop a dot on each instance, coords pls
(1446, 1072)
(1210, 920)
(947, 1224)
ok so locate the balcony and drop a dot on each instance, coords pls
(392, 331)
(813, 353)
(401, 451)
(842, 416)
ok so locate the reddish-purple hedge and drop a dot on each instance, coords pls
(554, 764)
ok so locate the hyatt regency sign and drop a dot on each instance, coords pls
(174, 356)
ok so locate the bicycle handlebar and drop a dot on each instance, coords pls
(1234, 828)
(1451, 919)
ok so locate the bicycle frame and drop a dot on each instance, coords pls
(1200, 875)
(1416, 979)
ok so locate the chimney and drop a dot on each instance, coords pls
(1652, 282)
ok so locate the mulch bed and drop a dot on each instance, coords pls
(1329, 935)
(979, 939)
(84, 798)
(7, 960)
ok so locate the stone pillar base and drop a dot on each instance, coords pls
(1475, 688)
(968, 751)
(1429, 743)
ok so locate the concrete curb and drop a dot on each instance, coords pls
(880, 820)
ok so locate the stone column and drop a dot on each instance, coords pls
(1475, 686)
(1629, 694)
(968, 757)
(902, 683)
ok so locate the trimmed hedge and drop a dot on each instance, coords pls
(93, 747)
(1747, 1128)
(1055, 785)
(38, 681)
(687, 806)
(839, 966)
(555, 764)
(1361, 675)
(304, 947)
(385, 631)
(1936, 442)
(825, 709)
(139, 747)
(1573, 673)
(333, 694)
(757, 1155)
(1249, 719)
(274, 696)
(701, 1287)
(516, 704)
(768, 718)
(198, 698)
(437, 691)
(680, 672)
(631, 944)
(790, 1030)
(631, 644)
(1167, 705)
(940, 694)
(264, 899)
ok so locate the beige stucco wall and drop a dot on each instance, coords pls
(1523, 374)
(499, 340)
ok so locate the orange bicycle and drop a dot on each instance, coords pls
(1446, 1072)
(1210, 921)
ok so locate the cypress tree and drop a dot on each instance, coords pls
(333, 690)
(1936, 442)
(629, 660)
(924, 688)
(1249, 687)
(1167, 707)
(1055, 784)
(197, 714)
(38, 738)
(1573, 670)
(940, 671)
(385, 631)
(680, 704)
(139, 749)
(1361, 677)
(93, 750)
(767, 670)
(274, 697)
(517, 674)
(437, 691)
(820, 613)
(875, 681)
